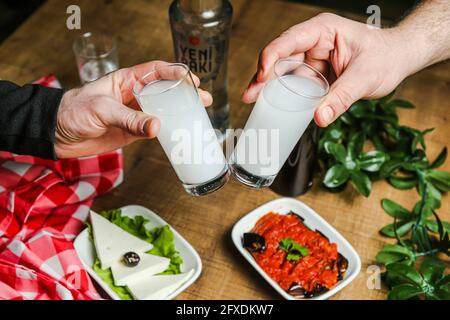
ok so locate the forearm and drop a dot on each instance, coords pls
(425, 34)
(28, 119)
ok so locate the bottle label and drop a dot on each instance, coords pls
(203, 56)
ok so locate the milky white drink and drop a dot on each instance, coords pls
(278, 120)
(186, 134)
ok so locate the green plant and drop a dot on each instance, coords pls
(367, 144)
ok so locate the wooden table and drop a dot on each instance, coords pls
(42, 45)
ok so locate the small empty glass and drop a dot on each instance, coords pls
(96, 55)
(186, 133)
(283, 111)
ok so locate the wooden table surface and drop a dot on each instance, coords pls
(42, 45)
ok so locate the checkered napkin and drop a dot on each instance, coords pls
(43, 205)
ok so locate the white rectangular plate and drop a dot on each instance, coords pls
(314, 222)
(191, 259)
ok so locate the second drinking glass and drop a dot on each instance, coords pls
(283, 111)
(186, 133)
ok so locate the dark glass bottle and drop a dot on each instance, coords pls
(296, 175)
(201, 32)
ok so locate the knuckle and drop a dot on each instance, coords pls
(326, 16)
(344, 99)
(265, 55)
(130, 121)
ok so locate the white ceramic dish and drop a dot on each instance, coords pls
(313, 221)
(191, 259)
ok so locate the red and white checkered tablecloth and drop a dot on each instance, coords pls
(43, 206)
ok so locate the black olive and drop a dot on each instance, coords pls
(131, 259)
(254, 242)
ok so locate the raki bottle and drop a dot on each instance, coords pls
(200, 32)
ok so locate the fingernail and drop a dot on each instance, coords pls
(327, 114)
(154, 127)
(142, 129)
(148, 127)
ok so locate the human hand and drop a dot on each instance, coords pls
(365, 62)
(103, 115)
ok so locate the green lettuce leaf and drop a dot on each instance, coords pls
(107, 277)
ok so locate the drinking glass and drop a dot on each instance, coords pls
(282, 112)
(186, 133)
(96, 55)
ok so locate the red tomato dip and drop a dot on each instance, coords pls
(313, 273)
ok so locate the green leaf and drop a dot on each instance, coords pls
(402, 229)
(440, 179)
(107, 277)
(285, 244)
(336, 133)
(355, 145)
(359, 109)
(395, 210)
(392, 253)
(405, 272)
(444, 282)
(404, 292)
(433, 226)
(433, 198)
(400, 104)
(418, 137)
(384, 100)
(420, 236)
(390, 167)
(440, 159)
(417, 165)
(443, 244)
(293, 249)
(389, 118)
(296, 247)
(336, 176)
(293, 257)
(403, 183)
(395, 248)
(361, 182)
(372, 161)
(388, 258)
(442, 294)
(351, 164)
(432, 269)
(393, 132)
(347, 118)
(336, 150)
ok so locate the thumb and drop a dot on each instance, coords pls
(345, 91)
(136, 123)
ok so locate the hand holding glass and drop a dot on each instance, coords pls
(186, 133)
(283, 111)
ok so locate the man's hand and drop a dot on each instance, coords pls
(104, 115)
(366, 62)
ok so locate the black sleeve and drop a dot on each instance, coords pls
(28, 119)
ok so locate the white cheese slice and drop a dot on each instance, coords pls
(157, 287)
(112, 242)
(149, 265)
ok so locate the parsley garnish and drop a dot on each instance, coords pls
(293, 249)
